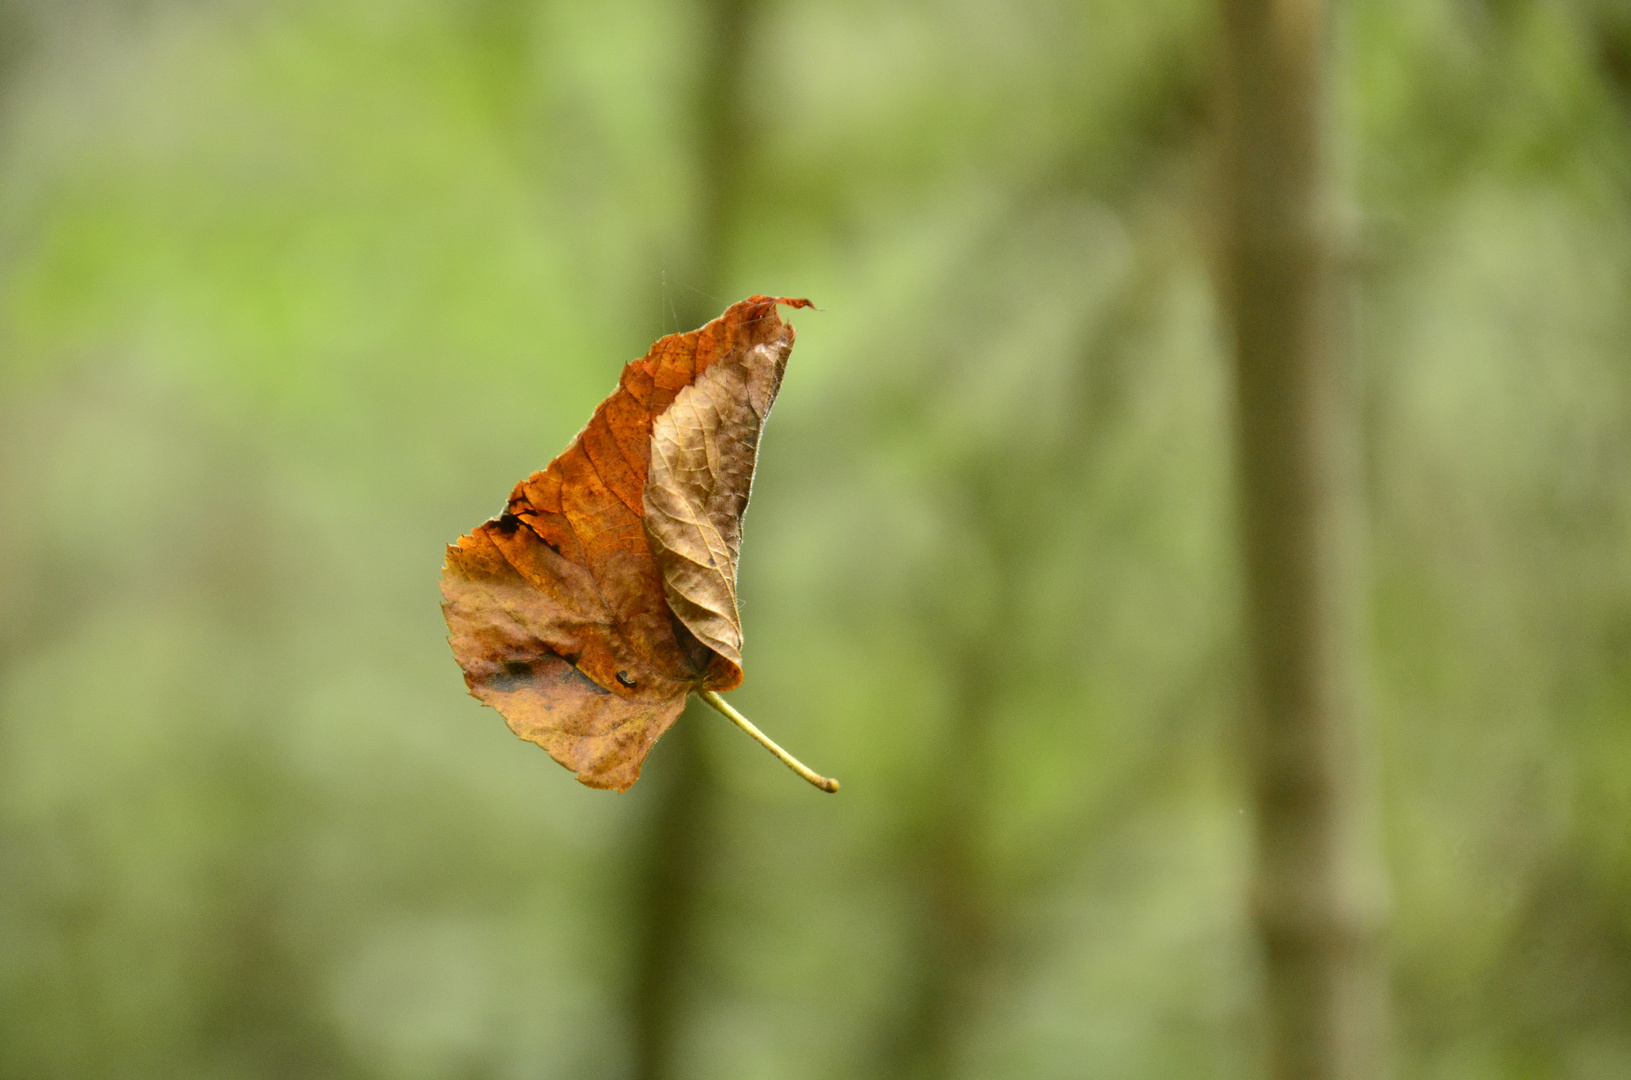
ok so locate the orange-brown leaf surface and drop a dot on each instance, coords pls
(605, 592)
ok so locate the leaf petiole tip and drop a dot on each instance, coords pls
(721, 706)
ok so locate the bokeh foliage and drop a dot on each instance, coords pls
(294, 291)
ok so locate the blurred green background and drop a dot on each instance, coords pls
(295, 290)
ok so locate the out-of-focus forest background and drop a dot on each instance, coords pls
(292, 291)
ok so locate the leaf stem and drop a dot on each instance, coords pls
(723, 707)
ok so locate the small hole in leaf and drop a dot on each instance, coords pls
(623, 677)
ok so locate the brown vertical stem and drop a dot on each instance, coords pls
(722, 138)
(1316, 885)
(680, 835)
(957, 925)
(960, 922)
(676, 843)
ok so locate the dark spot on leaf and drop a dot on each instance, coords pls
(582, 681)
(516, 674)
(508, 523)
(623, 677)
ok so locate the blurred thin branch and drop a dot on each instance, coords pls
(677, 848)
(1317, 897)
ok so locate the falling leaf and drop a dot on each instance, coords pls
(605, 593)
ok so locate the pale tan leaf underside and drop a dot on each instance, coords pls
(703, 452)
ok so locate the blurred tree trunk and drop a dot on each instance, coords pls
(1316, 893)
(957, 924)
(672, 866)
(679, 838)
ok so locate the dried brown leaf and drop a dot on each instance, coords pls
(605, 593)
